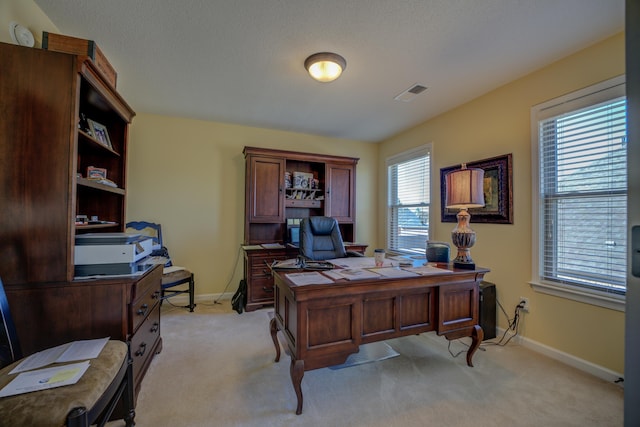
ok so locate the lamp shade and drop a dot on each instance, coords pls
(464, 188)
(325, 66)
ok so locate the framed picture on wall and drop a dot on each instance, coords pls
(498, 191)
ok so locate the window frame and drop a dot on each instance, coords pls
(592, 95)
(405, 156)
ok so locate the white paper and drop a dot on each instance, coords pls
(313, 278)
(272, 246)
(357, 274)
(394, 272)
(42, 379)
(427, 269)
(77, 350)
(358, 262)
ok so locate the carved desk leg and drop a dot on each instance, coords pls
(297, 372)
(273, 326)
(477, 335)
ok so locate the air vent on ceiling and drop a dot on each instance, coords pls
(409, 94)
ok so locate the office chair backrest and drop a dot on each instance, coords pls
(9, 345)
(320, 239)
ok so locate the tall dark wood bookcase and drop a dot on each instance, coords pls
(45, 151)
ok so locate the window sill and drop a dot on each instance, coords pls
(587, 296)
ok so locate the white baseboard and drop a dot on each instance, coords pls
(566, 358)
(183, 299)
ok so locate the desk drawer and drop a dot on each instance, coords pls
(143, 342)
(262, 289)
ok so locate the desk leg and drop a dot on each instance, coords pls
(477, 336)
(273, 326)
(297, 372)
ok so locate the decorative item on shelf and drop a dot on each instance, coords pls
(287, 180)
(302, 180)
(83, 124)
(96, 173)
(100, 133)
(21, 35)
(315, 183)
(464, 190)
(76, 46)
(81, 219)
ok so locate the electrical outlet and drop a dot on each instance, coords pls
(526, 304)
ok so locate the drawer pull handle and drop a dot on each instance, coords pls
(142, 349)
(155, 327)
(143, 310)
(269, 290)
(155, 295)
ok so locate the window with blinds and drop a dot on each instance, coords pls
(582, 205)
(409, 200)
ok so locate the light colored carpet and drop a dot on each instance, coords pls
(217, 369)
(368, 353)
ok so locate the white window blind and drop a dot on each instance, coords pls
(582, 204)
(409, 200)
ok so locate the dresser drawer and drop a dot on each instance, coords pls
(148, 296)
(143, 342)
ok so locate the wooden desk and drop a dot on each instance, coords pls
(323, 324)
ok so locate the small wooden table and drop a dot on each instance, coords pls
(323, 324)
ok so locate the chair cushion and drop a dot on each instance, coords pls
(50, 407)
(179, 276)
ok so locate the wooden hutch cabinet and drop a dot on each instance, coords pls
(272, 200)
(46, 148)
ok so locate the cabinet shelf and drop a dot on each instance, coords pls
(93, 184)
(90, 142)
(302, 203)
(95, 226)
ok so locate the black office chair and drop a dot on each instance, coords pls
(92, 400)
(321, 239)
(178, 275)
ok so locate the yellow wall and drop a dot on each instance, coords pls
(499, 123)
(188, 175)
(27, 14)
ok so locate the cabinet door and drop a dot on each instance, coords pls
(340, 192)
(265, 184)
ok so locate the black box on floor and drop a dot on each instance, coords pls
(488, 309)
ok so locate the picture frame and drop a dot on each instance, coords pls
(99, 133)
(498, 191)
(96, 173)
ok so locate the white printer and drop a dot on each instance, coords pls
(110, 253)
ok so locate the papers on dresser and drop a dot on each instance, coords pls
(393, 272)
(312, 278)
(42, 379)
(77, 350)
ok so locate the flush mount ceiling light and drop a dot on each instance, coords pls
(325, 66)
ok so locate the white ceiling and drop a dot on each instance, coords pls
(241, 61)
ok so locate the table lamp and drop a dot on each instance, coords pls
(464, 190)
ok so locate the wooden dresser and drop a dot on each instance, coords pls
(127, 309)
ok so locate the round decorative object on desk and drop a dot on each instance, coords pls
(437, 251)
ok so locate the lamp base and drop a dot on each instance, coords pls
(464, 265)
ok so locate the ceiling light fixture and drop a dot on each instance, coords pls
(325, 66)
